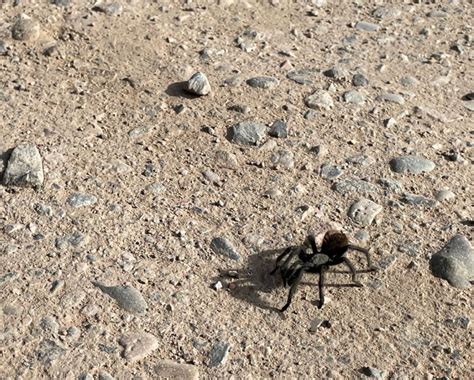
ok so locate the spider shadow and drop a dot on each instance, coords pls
(252, 282)
(178, 90)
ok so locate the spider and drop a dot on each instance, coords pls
(294, 261)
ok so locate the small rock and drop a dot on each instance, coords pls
(455, 262)
(10, 229)
(127, 297)
(81, 200)
(262, 82)
(362, 235)
(278, 129)
(155, 188)
(393, 98)
(246, 133)
(391, 185)
(284, 159)
(310, 115)
(389, 123)
(354, 97)
(336, 73)
(366, 26)
(49, 325)
(25, 28)
(354, 185)
(198, 84)
(75, 240)
(361, 159)
(138, 132)
(3, 48)
(437, 13)
(409, 81)
(240, 108)
(444, 195)
(469, 105)
(330, 172)
(315, 324)
(61, 3)
(138, 345)
(319, 100)
(372, 372)
(418, 200)
(364, 211)
(218, 354)
(319, 150)
(224, 247)
(384, 12)
(110, 9)
(462, 322)
(104, 375)
(411, 164)
(217, 285)
(24, 168)
(360, 80)
(301, 76)
(49, 351)
(166, 369)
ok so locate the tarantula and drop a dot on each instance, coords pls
(294, 261)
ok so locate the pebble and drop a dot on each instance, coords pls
(104, 375)
(166, 369)
(418, 200)
(389, 122)
(262, 82)
(319, 150)
(62, 3)
(138, 345)
(127, 297)
(25, 28)
(384, 12)
(49, 325)
(310, 114)
(330, 172)
(360, 80)
(246, 133)
(138, 132)
(366, 26)
(217, 285)
(24, 167)
(354, 185)
(284, 159)
(354, 97)
(455, 262)
(361, 159)
(409, 81)
(364, 211)
(218, 354)
(49, 351)
(462, 322)
(81, 200)
(279, 129)
(319, 100)
(110, 9)
(155, 188)
(391, 185)
(411, 164)
(76, 239)
(469, 105)
(373, 372)
(336, 73)
(316, 323)
(390, 97)
(198, 84)
(362, 235)
(303, 76)
(240, 108)
(444, 195)
(224, 247)
(3, 48)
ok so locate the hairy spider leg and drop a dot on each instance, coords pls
(284, 267)
(279, 258)
(293, 289)
(322, 272)
(288, 274)
(365, 251)
(314, 247)
(353, 270)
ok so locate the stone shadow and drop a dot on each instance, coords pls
(178, 90)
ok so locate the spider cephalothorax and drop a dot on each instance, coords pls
(294, 261)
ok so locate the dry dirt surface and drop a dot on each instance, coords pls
(139, 222)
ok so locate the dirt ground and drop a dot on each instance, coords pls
(97, 89)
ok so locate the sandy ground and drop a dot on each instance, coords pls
(98, 93)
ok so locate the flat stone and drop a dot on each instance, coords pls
(49, 351)
(110, 9)
(198, 84)
(330, 172)
(61, 3)
(354, 185)
(138, 345)
(373, 372)
(246, 133)
(104, 375)
(81, 200)
(279, 129)
(3, 48)
(224, 247)
(469, 105)
(360, 80)
(127, 297)
(366, 26)
(75, 240)
(304, 76)
(319, 100)
(354, 97)
(409, 81)
(444, 195)
(262, 82)
(218, 354)
(385, 12)
(455, 262)
(166, 369)
(336, 73)
(418, 200)
(411, 164)
(361, 159)
(364, 211)
(25, 28)
(392, 98)
(284, 159)
(24, 168)
(391, 185)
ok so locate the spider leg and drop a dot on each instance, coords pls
(279, 258)
(367, 254)
(353, 270)
(322, 271)
(289, 273)
(293, 289)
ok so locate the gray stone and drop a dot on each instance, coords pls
(362, 235)
(24, 168)
(3, 48)
(127, 297)
(364, 211)
(81, 200)
(75, 240)
(462, 322)
(138, 345)
(354, 97)
(110, 9)
(366, 26)
(392, 98)
(262, 82)
(61, 3)
(336, 73)
(284, 159)
(224, 247)
(469, 105)
(330, 172)
(411, 164)
(361, 159)
(455, 262)
(384, 12)
(43, 209)
(409, 81)
(49, 325)
(279, 129)
(138, 132)
(310, 115)
(360, 80)
(49, 351)
(304, 76)
(437, 13)
(246, 133)
(155, 188)
(7, 277)
(198, 84)
(218, 354)
(354, 185)
(444, 195)
(319, 100)
(166, 369)
(373, 372)
(391, 185)
(25, 28)
(418, 200)
(85, 376)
